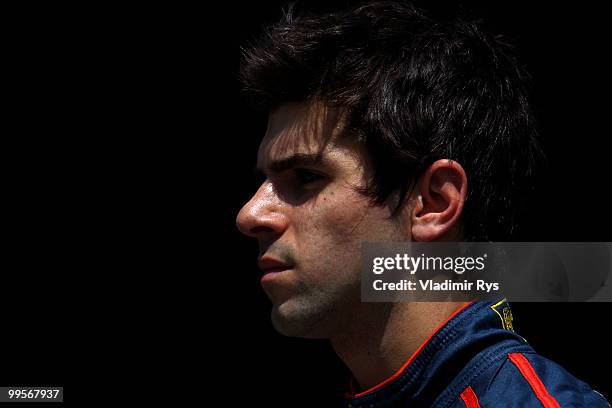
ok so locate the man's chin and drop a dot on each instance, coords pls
(296, 323)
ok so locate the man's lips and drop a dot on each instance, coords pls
(273, 270)
(271, 265)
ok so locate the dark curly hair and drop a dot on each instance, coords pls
(414, 90)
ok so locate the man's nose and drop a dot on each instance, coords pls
(262, 215)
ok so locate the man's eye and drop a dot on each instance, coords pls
(306, 176)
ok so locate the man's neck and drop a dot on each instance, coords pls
(383, 340)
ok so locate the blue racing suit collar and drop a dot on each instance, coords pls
(482, 329)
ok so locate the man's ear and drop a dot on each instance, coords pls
(440, 195)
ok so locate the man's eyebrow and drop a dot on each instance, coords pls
(295, 160)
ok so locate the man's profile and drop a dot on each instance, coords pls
(388, 126)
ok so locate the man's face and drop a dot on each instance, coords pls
(310, 221)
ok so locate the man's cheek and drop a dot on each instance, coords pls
(343, 220)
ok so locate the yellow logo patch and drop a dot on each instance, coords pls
(505, 314)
